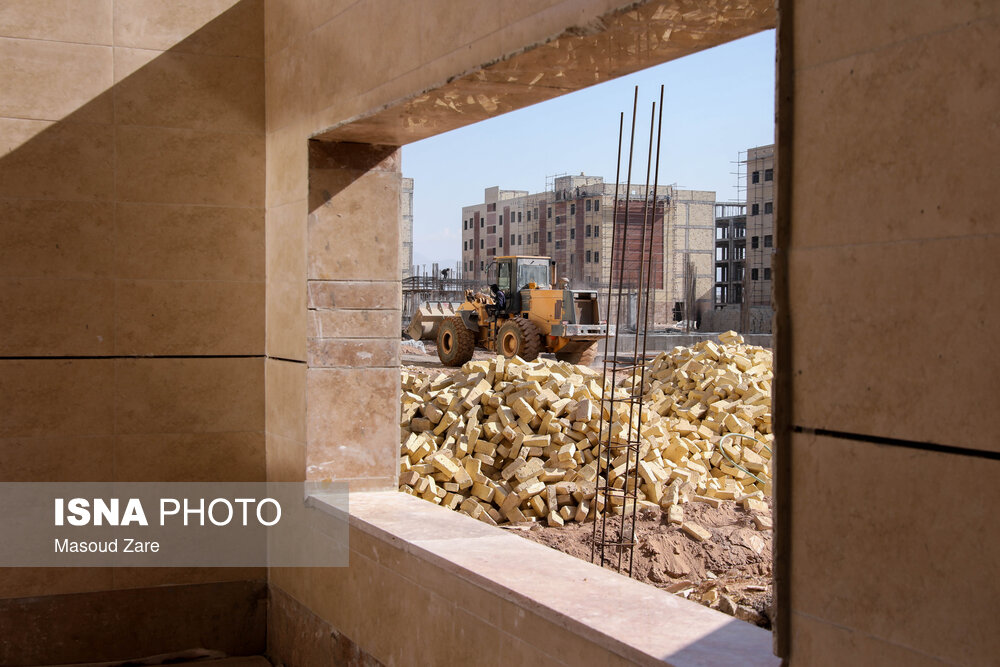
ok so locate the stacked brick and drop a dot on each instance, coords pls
(509, 441)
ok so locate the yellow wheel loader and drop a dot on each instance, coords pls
(533, 316)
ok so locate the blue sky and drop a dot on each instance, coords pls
(716, 103)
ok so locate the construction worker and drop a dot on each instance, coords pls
(499, 301)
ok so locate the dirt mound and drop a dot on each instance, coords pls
(731, 572)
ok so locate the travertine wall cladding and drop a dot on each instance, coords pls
(132, 264)
(891, 245)
(354, 313)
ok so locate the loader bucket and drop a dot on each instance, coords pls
(427, 320)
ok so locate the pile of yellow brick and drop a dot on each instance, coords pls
(506, 440)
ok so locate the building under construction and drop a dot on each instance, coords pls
(571, 222)
(744, 246)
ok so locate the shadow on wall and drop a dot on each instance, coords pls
(132, 229)
(160, 177)
(715, 648)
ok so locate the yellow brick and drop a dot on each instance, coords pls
(483, 492)
(675, 514)
(530, 489)
(713, 502)
(754, 505)
(523, 409)
(696, 531)
(445, 464)
(530, 469)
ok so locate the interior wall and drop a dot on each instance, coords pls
(132, 283)
(891, 237)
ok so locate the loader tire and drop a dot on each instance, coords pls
(455, 342)
(582, 355)
(519, 337)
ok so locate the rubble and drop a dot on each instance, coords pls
(508, 441)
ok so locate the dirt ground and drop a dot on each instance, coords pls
(735, 563)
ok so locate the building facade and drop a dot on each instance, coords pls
(760, 223)
(406, 228)
(572, 223)
(730, 253)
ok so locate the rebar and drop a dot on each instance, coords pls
(624, 451)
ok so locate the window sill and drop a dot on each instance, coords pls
(634, 621)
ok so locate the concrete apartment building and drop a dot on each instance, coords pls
(760, 223)
(406, 228)
(189, 196)
(572, 224)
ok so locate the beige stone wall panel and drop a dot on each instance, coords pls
(57, 459)
(286, 243)
(143, 577)
(173, 166)
(189, 91)
(159, 317)
(81, 21)
(52, 80)
(54, 317)
(287, 172)
(175, 242)
(826, 32)
(354, 294)
(286, 459)
(353, 352)
(873, 350)
(67, 161)
(353, 225)
(286, 399)
(22, 582)
(57, 239)
(903, 563)
(824, 644)
(189, 395)
(285, 329)
(910, 88)
(352, 423)
(358, 324)
(190, 457)
(213, 27)
(57, 398)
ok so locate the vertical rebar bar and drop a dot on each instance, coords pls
(607, 319)
(599, 496)
(621, 498)
(649, 291)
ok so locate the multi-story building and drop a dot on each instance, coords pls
(572, 224)
(760, 223)
(406, 229)
(730, 252)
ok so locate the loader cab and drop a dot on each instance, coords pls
(514, 274)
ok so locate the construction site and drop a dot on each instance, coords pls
(629, 437)
(203, 247)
